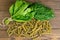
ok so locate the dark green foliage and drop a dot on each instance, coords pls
(42, 12)
(23, 11)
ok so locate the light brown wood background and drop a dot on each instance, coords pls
(54, 4)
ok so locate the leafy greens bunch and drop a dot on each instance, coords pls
(22, 11)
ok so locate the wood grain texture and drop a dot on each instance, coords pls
(54, 4)
(4, 38)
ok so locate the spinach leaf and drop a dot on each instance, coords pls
(42, 12)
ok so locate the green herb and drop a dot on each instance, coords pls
(21, 12)
(42, 12)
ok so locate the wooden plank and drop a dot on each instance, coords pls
(52, 4)
(3, 14)
(50, 0)
(5, 4)
(4, 38)
(19, 38)
(56, 21)
(3, 34)
(23, 38)
(6, 1)
(55, 35)
(4, 8)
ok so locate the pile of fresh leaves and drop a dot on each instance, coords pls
(22, 11)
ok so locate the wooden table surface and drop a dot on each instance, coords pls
(54, 4)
